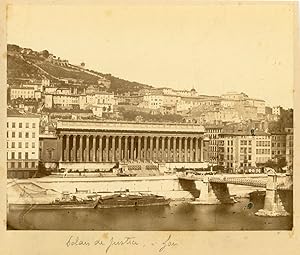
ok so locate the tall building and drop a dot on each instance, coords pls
(240, 150)
(213, 149)
(289, 146)
(22, 144)
(278, 140)
(282, 146)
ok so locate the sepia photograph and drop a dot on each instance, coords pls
(150, 117)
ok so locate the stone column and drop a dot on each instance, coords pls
(163, 149)
(151, 148)
(201, 149)
(191, 149)
(126, 148)
(87, 153)
(74, 148)
(157, 148)
(174, 149)
(131, 148)
(113, 149)
(80, 148)
(180, 149)
(145, 148)
(107, 148)
(94, 148)
(169, 149)
(197, 150)
(139, 148)
(185, 150)
(67, 147)
(120, 147)
(60, 144)
(100, 149)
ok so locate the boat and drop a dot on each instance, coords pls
(131, 200)
(66, 202)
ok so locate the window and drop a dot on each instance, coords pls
(13, 134)
(27, 125)
(13, 145)
(7, 124)
(26, 155)
(33, 145)
(20, 125)
(249, 157)
(249, 142)
(19, 164)
(32, 164)
(26, 145)
(12, 164)
(13, 155)
(27, 135)
(33, 125)
(19, 155)
(26, 164)
(7, 134)
(20, 145)
(20, 134)
(13, 124)
(33, 135)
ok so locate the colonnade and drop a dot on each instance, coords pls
(116, 148)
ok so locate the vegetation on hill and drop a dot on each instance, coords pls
(121, 86)
(135, 115)
(65, 72)
(285, 121)
(18, 68)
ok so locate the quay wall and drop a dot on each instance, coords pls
(168, 186)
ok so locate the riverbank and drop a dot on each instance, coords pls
(177, 216)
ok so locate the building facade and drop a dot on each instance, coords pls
(241, 150)
(22, 144)
(213, 149)
(21, 92)
(289, 146)
(111, 142)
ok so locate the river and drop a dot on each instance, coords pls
(177, 216)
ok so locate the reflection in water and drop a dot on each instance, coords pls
(177, 216)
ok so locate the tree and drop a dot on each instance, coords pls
(45, 53)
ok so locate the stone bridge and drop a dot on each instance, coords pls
(214, 190)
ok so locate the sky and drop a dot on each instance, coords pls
(214, 48)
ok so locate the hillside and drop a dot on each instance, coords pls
(24, 63)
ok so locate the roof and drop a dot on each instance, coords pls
(28, 88)
(245, 133)
(16, 113)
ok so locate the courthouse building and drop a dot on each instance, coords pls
(85, 144)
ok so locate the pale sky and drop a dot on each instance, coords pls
(213, 48)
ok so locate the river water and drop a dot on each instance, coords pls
(176, 216)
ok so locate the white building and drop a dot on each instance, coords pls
(21, 92)
(153, 101)
(258, 103)
(277, 110)
(64, 101)
(22, 144)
